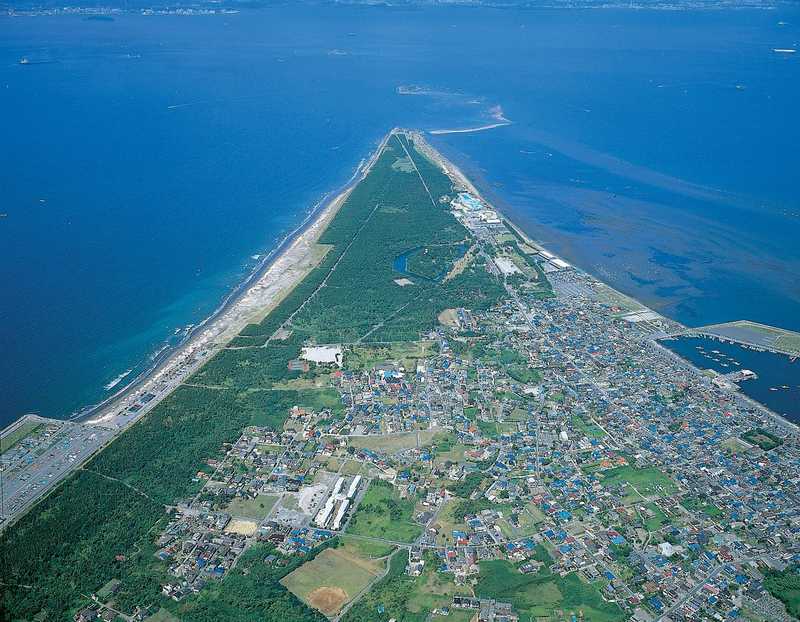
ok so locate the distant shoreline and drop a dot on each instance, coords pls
(453, 171)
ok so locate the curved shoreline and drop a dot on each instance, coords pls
(168, 355)
(450, 168)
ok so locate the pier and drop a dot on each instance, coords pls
(759, 337)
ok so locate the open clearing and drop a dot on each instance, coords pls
(648, 482)
(383, 514)
(332, 578)
(390, 443)
(242, 527)
(403, 353)
(22, 432)
(162, 615)
(256, 508)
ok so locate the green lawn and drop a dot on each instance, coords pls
(23, 431)
(696, 504)
(648, 481)
(257, 508)
(540, 594)
(383, 514)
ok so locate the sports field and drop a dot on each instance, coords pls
(333, 578)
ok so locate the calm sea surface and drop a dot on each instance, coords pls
(147, 161)
(778, 381)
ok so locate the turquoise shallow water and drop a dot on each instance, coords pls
(146, 165)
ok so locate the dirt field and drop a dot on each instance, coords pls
(329, 600)
(331, 579)
(449, 318)
(243, 527)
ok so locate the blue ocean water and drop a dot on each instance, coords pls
(149, 160)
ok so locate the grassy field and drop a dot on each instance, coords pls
(391, 443)
(257, 508)
(332, 578)
(366, 548)
(529, 520)
(734, 445)
(541, 594)
(696, 504)
(22, 432)
(446, 523)
(586, 427)
(405, 353)
(162, 615)
(649, 481)
(383, 514)
(655, 522)
(454, 453)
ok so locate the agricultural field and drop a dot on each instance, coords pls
(383, 514)
(333, 578)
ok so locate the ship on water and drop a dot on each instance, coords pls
(27, 61)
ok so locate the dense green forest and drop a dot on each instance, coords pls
(99, 524)
(786, 587)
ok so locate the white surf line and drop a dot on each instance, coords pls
(469, 130)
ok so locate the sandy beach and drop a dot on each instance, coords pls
(261, 293)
